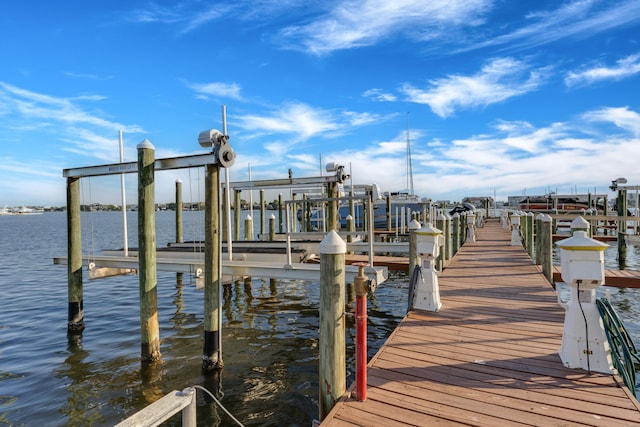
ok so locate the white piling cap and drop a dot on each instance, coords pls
(580, 223)
(414, 225)
(580, 242)
(429, 230)
(249, 218)
(272, 216)
(333, 244)
(349, 218)
(146, 144)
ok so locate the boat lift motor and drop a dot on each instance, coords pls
(426, 295)
(516, 240)
(584, 343)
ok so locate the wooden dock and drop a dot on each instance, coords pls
(489, 357)
(614, 278)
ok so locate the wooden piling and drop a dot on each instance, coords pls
(622, 228)
(440, 220)
(179, 238)
(546, 247)
(414, 259)
(263, 210)
(280, 216)
(272, 227)
(75, 319)
(149, 327)
(389, 225)
(237, 210)
(332, 324)
(530, 234)
(455, 233)
(212, 353)
(248, 228)
(332, 206)
(447, 236)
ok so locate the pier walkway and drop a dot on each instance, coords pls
(489, 357)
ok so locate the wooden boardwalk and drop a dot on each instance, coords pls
(489, 357)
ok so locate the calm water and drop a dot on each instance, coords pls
(270, 336)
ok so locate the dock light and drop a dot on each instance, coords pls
(426, 295)
(584, 344)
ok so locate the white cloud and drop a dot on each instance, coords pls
(379, 95)
(500, 79)
(296, 122)
(576, 18)
(621, 117)
(44, 121)
(217, 89)
(360, 23)
(292, 118)
(624, 68)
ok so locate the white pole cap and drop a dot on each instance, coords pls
(333, 244)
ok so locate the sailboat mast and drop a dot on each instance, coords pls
(409, 165)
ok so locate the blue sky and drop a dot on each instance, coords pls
(504, 97)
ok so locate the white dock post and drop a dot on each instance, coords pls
(516, 238)
(471, 228)
(584, 344)
(426, 294)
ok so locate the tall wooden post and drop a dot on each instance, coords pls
(530, 234)
(237, 210)
(546, 247)
(389, 225)
(262, 212)
(332, 325)
(538, 238)
(272, 227)
(622, 228)
(248, 228)
(212, 353)
(149, 328)
(455, 231)
(280, 216)
(446, 232)
(332, 206)
(414, 259)
(179, 238)
(75, 320)
(440, 220)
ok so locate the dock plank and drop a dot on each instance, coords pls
(489, 357)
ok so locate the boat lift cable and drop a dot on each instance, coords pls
(586, 331)
(416, 275)
(219, 404)
(624, 352)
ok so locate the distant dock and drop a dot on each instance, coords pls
(489, 357)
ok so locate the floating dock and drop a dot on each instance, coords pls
(489, 357)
